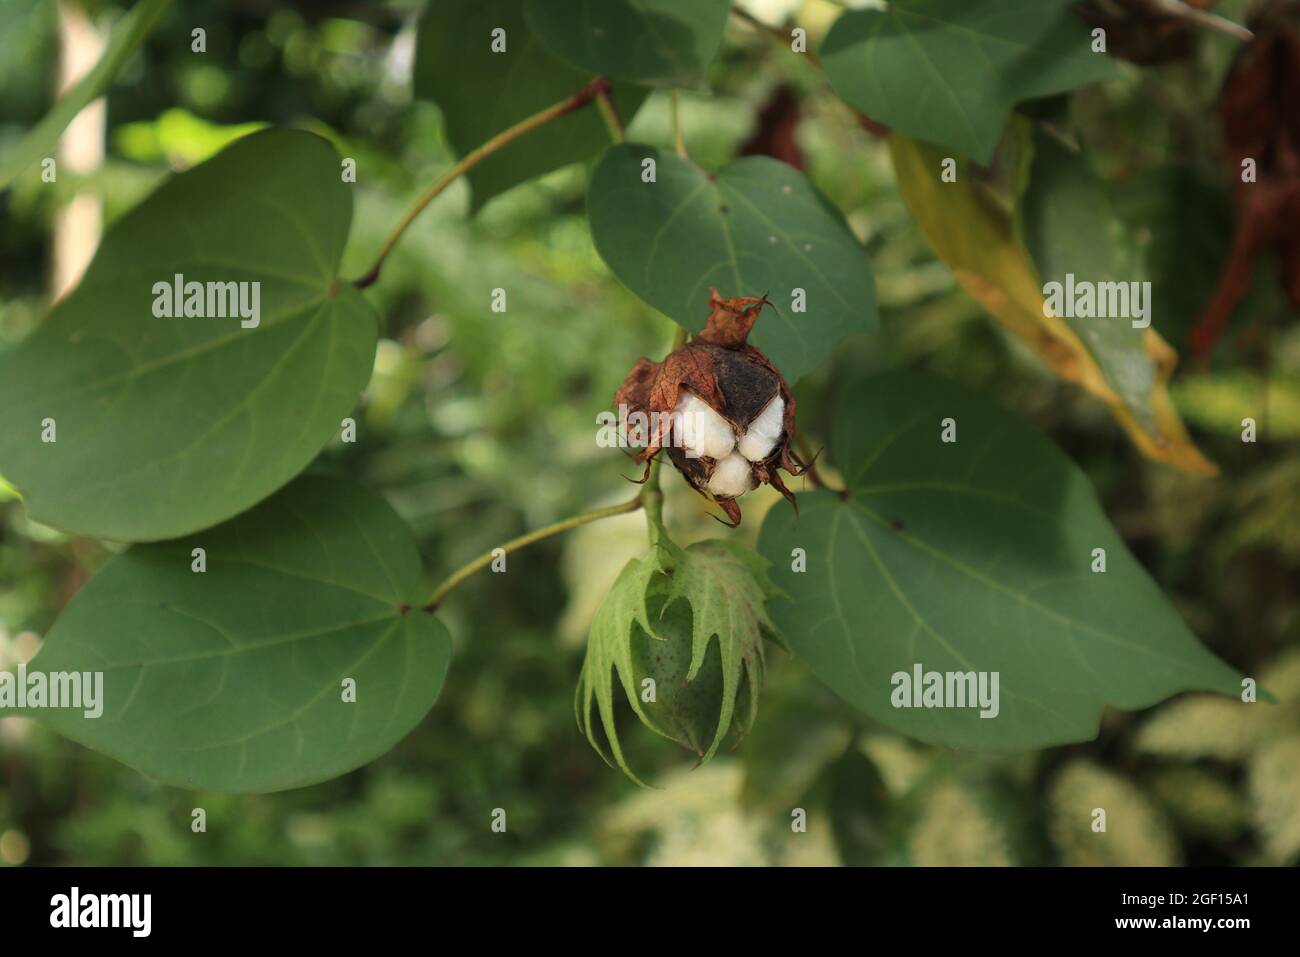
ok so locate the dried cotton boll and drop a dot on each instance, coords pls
(701, 430)
(707, 396)
(732, 477)
(764, 432)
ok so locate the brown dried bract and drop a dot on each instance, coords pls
(1260, 123)
(776, 134)
(735, 379)
(1145, 31)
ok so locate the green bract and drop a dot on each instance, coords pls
(679, 682)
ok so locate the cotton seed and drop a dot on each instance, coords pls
(701, 430)
(764, 432)
(732, 477)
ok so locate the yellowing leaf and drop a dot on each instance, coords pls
(976, 239)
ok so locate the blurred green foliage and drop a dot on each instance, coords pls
(479, 425)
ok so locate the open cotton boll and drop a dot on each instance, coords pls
(761, 438)
(715, 390)
(732, 477)
(701, 430)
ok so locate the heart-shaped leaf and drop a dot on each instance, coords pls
(658, 41)
(949, 71)
(236, 678)
(757, 226)
(121, 423)
(981, 557)
(478, 60)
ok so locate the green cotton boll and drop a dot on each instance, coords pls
(685, 709)
(680, 635)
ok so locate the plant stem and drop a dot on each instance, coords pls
(775, 33)
(609, 113)
(653, 498)
(679, 140)
(651, 494)
(1204, 18)
(484, 560)
(597, 87)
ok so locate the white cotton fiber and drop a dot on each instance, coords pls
(732, 477)
(764, 431)
(701, 430)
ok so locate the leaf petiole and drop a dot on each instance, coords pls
(556, 528)
(679, 139)
(597, 88)
(651, 498)
(609, 113)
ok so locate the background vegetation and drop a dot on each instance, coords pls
(479, 426)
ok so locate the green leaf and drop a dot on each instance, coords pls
(167, 425)
(949, 71)
(656, 41)
(757, 226)
(659, 621)
(857, 802)
(39, 141)
(972, 556)
(1067, 222)
(178, 137)
(482, 93)
(232, 680)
